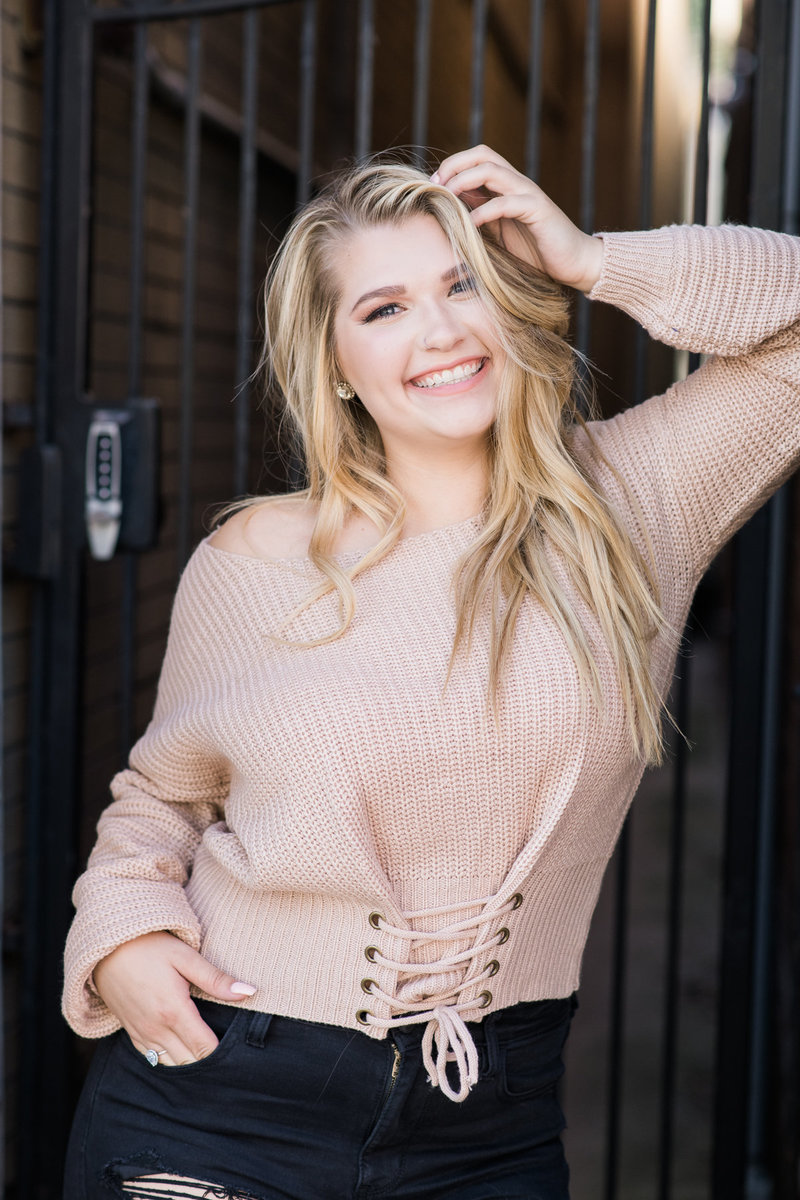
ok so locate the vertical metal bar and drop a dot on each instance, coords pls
(741, 1165)
(308, 79)
(675, 884)
(35, 806)
(47, 1049)
(138, 171)
(131, 561)
(701, 168)
(44, 269)
(591, 71)
(591, 79)
(247, 209)
(480, 17)
(734, 1020)
(3, 1122)
(422, 71)
(613, 1129)
(191, 167)
(786, 1131)
(758, 1178)
(646, 179)
(669, 1049)
(533, 115)
(366, 66)
(615, 1046)
(790, 220)
(130, 577)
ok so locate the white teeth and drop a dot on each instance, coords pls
(455, 375)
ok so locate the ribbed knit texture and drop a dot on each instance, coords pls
(281, 795)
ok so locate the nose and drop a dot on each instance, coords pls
(440, 328)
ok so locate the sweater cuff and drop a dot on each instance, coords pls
(98, 930)
(640, 275)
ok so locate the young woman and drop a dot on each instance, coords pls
(337, 908)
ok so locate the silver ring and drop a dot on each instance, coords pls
(153, 1056)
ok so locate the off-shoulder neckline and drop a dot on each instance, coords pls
(414, 541)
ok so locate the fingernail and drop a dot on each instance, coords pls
(435, 177)
(243, 989)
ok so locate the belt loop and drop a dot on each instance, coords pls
(257, 1027)
(492, 1041)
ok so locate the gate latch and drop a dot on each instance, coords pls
(121, 473)
(103, 484)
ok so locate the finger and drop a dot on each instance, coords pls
(186, 1041)
(164, 1058)
(499, 207)
(464, 159)
(177, 1056)
(208, 978)
(193, 1039)
(499, 179)
(171, 1051)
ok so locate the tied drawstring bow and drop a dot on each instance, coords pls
(447, 1038)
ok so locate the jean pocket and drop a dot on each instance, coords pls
(227, 1023)
(531, 1060)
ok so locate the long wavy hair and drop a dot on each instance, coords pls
(541, 508)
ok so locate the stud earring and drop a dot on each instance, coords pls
(344, 391)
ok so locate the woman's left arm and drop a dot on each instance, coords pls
(707, 453)
(718, 443)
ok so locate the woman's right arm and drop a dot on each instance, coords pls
(132, 951)
(145, 984)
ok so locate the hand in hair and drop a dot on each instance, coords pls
(522, 216)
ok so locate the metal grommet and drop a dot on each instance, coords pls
(375, 919)
(370, 953)
(367, 985)
(493, 967)
(486, 998)
(503, 935)
(361, 1016)
(516, 900)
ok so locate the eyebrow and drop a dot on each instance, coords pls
(397, 289)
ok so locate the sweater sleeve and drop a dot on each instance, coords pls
(174, 788)
(704, 455)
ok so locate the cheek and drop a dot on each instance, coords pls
(370, 363)
(350, 355)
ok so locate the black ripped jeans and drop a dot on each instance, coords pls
(293, 1110)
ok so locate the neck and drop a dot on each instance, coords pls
(440, 493)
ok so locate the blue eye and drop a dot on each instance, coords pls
(463, 285)
(385, 310)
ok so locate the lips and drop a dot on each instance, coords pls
(449, 375)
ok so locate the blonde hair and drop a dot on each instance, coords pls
(539, 499)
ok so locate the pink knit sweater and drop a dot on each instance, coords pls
(318, 819)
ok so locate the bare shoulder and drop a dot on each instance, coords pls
(279, 527)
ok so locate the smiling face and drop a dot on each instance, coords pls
(414, 340)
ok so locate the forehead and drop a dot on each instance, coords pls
(391, 254)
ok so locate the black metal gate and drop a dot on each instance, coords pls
(178, 136)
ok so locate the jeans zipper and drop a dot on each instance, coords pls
(398, 1058)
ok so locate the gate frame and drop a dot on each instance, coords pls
(48, 1050)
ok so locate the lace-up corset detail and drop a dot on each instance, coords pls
(441, 990)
